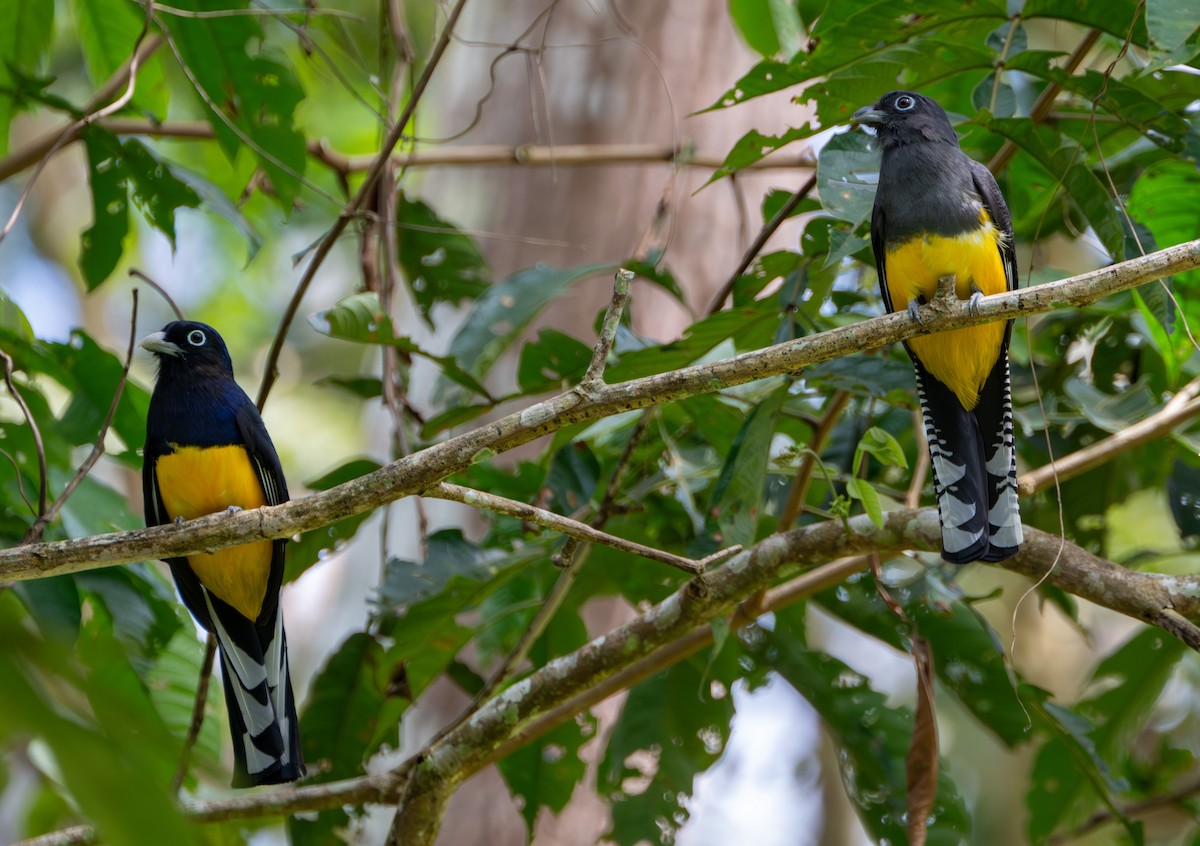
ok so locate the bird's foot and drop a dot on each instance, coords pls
(974, 300)
(233, 509)
(913, 306)
(178, 520)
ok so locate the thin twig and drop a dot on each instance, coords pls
(912, 498)
(1182, 407)
(569, 527)
(162, 292)
(38, 444)
(356, 204)
(34, 534)
(760, 240)
(799, 493)
(1134, 809)
(197, 722)
(608, 329)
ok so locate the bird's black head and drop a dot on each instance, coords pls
(906, 117)
(189, 346)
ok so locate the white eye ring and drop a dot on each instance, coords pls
(196, 338)
(905, 103)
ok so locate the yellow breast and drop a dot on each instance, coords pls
(960, 358)
(195, 481)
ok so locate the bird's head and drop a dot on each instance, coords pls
(906, 117)
(189, 345)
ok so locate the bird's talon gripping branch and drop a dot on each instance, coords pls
(178, 521)
(913, 312)
(974, 300)
(233, 509)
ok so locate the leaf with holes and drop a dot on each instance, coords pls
(440, 263)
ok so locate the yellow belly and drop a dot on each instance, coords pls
(195, 481)
(959, 358)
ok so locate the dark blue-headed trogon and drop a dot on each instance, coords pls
(939, 213)
(207, 450)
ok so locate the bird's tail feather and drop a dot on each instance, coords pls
(995, 416)
(959, 474)
(258, 696)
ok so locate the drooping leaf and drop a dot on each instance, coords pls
(249, 96)
(670, 730)
(440, 263)
(107, 31)
(873, 740)
(551, 360)
(737, 497)
(503, 312)
(24, 44)
(572, 478)
(103, 242)
(156, 189)
(842, 170)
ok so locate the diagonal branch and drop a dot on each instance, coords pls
(676, 628)
(421, 470)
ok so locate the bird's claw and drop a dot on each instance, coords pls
(913, 307)
(233, 509)
(178, 520)
(973, 303)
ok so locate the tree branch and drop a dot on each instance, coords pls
(677, 627)
(421, 470)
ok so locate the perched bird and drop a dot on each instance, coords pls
(207, 450)
(939, 213)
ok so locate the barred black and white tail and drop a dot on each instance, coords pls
(258, 696)
(974, 467)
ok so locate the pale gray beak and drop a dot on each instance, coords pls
(157, 343)
(868, 115)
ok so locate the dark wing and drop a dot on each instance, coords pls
(269, 471)
(993, 201)
(877, 247)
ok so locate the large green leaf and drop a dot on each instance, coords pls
(670, 730)
(1133, 677)
(361, 318)
(440, 263)
(968, 656)
(24, 44)
(840, 167)
(107, 31)
(551, 360)
(249, 97)
(103, 242)
(737, 498)
(872, 739)
(502, 313)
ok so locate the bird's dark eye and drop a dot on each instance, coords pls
(196, 338)
(905, 103)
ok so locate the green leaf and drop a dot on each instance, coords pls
(872, 740)
(1169, 23)
(53, 604)
(361, 318)
(143, 609)
(24, 45)
(1112, 412)
(737, 496)
(968, 656)
(351, 708)
(440, 263)
(171, 684)
(841, 166)
(1100, 728)
(753, 20)
(551, 360)
(999, 99)
(316, 544)
(107, 31)
(880, 444)
(156, 189)
(864, 492)
(418, 605)
(253, 94)
(545, 773)
(501, 314)
(572, 478)
(103, 242)
(670, 729)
